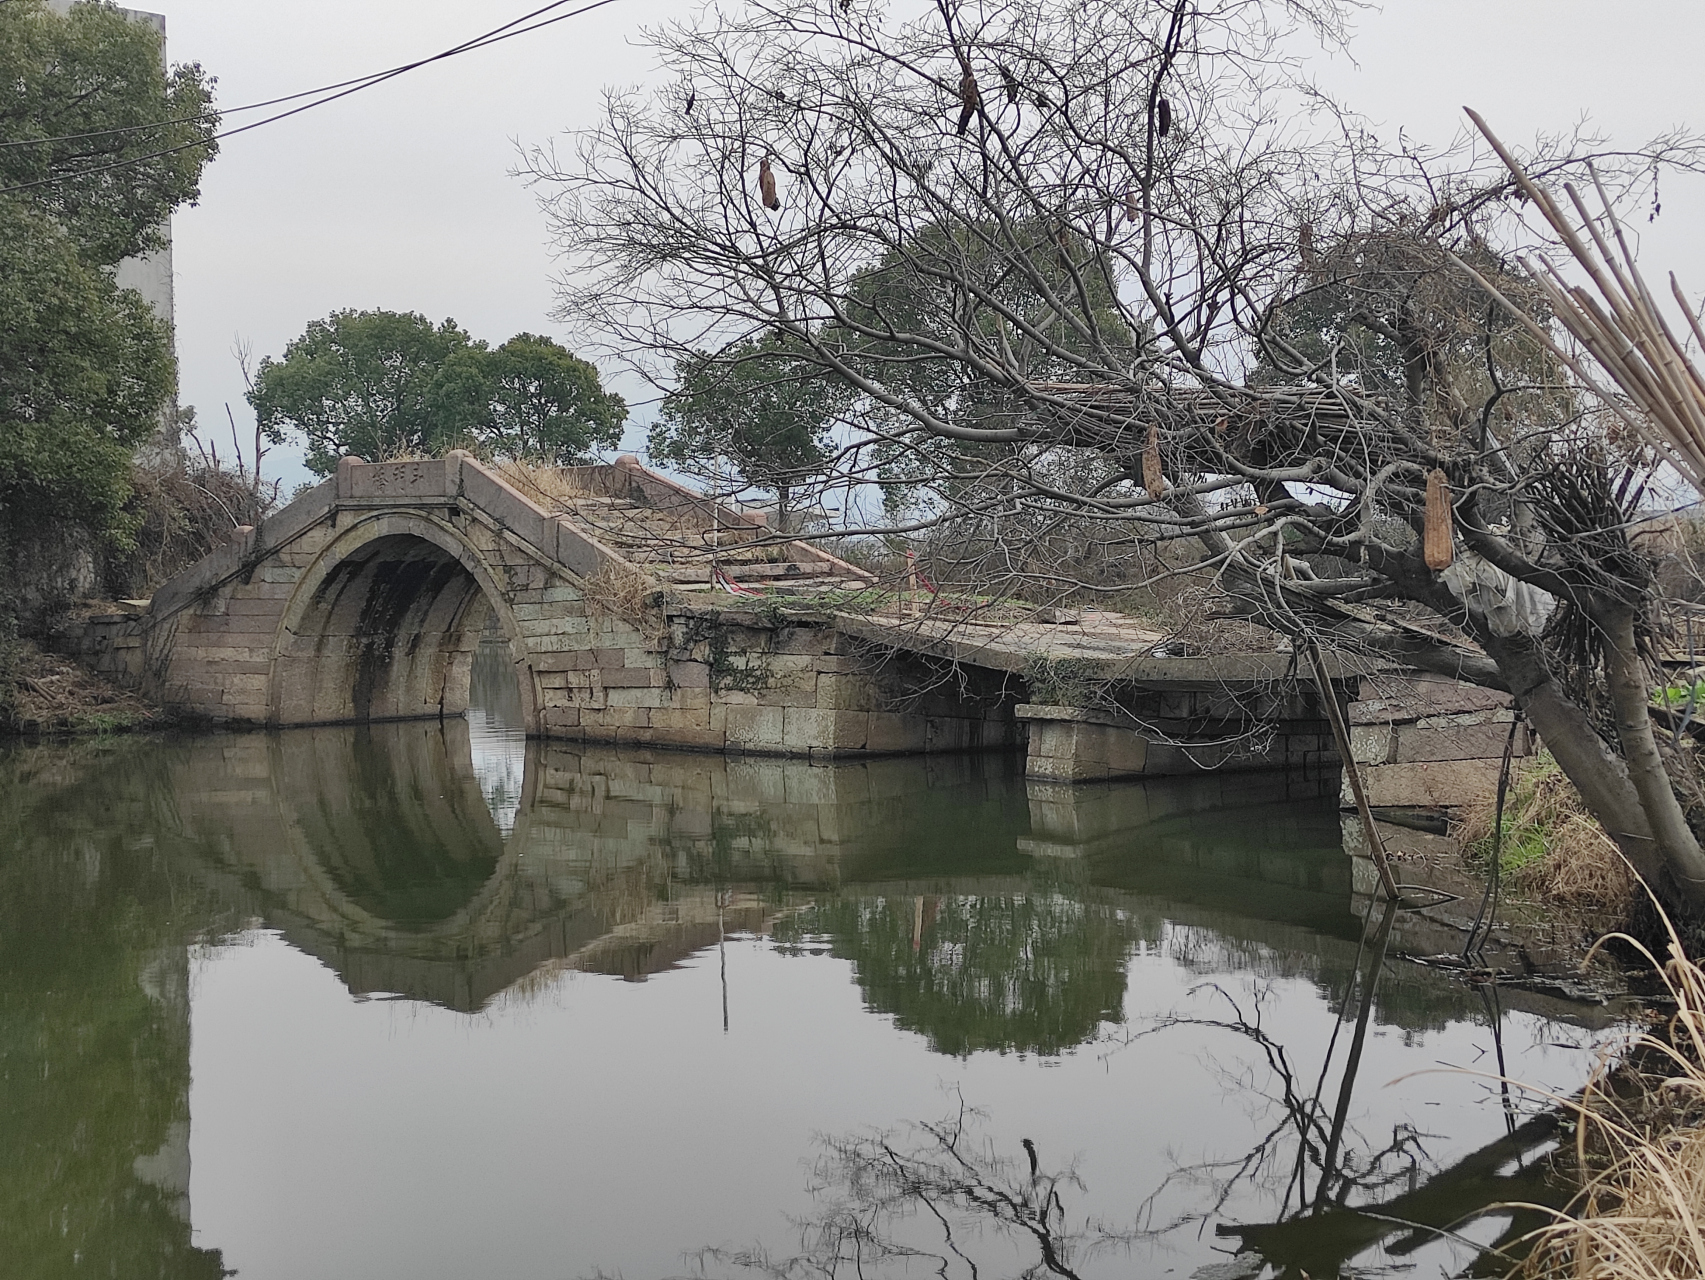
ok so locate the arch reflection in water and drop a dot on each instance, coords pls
(979, 912)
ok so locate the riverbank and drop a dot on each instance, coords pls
(43, 694)
(1638, 1154)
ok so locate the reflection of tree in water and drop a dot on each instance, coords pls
(934, 1198)
(1408, 999)
(94, 1027)
(1337, 1194)
(1033, 972)
(939, 1199)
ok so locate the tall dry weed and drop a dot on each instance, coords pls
(1640, 1152)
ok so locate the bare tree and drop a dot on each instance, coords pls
(1117, 270)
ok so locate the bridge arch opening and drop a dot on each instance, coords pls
(385, 625)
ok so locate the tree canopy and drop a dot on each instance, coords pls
(380, 384)
(112, 139)
(84, 369)
(756, 407)
(101, 143)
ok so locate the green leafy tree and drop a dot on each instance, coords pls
(380, 384)
(371, 383)
(756, 407)
(1029, 297)
(89, 111)
(84, 369)
(546, 404)
(99, 142)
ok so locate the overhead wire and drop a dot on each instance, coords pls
(345, 88)
(489, 37)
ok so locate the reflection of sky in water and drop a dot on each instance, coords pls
(495, 733)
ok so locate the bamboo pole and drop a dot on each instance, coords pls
(1341, 733)
(1621, 328)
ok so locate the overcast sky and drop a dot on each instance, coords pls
(401, 197)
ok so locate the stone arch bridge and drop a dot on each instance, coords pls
(366, 597)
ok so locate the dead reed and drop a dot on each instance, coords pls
(1618, 322)
(1639, 1151)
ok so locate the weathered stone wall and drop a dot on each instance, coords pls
(1428, 742)
(742, 680)
(1169, 731)
(110, 643)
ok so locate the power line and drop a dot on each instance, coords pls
(217, 114)
(496, 35)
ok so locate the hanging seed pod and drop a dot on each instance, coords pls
(969, 98)
(1153, 480)
(1438, 545)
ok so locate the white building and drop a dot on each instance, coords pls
(151, 276)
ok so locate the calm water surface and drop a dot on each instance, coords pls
(423, 1001)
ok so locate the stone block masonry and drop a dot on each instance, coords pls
(367, 597)
(1170, 732)
(1425, 742)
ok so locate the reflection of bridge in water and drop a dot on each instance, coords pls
(978, 911)
(373, 849)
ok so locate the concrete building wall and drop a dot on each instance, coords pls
(150, 275)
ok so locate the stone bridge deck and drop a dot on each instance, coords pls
(365, 598)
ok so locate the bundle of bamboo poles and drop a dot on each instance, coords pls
(1622, 328)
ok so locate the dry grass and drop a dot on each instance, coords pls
(553, 488)
(43, 693)
(1640, 1150)
(1554, 851)
(632, 596)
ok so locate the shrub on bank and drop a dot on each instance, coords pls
(1553, 851)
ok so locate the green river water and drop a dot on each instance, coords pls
(423, 1001)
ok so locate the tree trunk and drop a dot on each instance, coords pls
(1630, 693)
(1600, 776)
